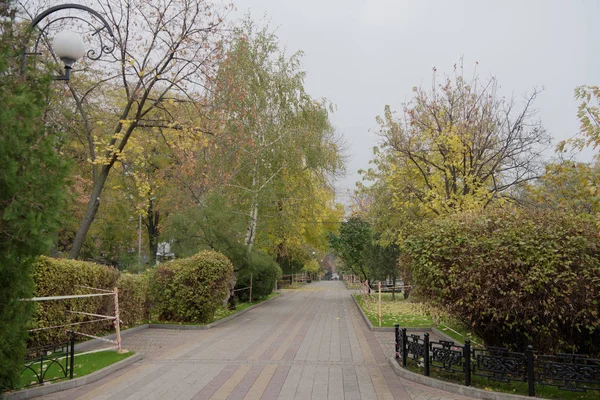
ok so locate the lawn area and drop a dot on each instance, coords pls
(457, 331)
(222, 311)
(414, 314)
(403, 312)
(84, 364)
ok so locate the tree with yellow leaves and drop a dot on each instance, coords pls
(165, 52)
(567, 186)
(285, 148)
(588, 113)
(459, 146)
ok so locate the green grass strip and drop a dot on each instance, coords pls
(84, 364)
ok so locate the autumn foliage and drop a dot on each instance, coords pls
(516, 276)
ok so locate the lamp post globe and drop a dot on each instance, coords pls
(69, 47)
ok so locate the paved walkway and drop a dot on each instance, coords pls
(307, 344)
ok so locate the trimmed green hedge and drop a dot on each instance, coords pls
(515, 276)
(134, 298)
(185, 290)
(58, 277)
(191, 289)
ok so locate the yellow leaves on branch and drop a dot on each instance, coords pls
(142, 185)
(588, 113)
(448, 153)
(570, 186)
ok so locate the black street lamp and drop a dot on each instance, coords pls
(69, 46)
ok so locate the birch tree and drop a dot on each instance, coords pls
(284, 134)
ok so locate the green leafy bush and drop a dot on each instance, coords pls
(191, 289)
(134, 298)
(265, 273)
(517, 277)
(58, 277)
(61, 277)
(290, 265)
(264, 270)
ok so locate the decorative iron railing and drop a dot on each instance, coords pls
(571, 372)
(57, 358)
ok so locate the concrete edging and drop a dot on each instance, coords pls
(212, 324)
(72, 383)
(368, 321)
(452, 387)
(391, 329)
(93, 377)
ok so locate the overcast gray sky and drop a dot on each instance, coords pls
(364, 54)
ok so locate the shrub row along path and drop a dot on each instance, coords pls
(309, 343)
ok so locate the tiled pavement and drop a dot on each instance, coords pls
(307, 344)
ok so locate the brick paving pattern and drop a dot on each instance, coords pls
(310, 343)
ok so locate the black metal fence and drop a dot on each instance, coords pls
(572, 372)
(58, 358)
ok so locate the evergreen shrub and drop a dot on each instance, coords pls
(265, 272)
(33, 176)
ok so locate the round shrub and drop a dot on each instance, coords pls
(59, 277)
(517, 277)
(191, 289)
(265, 273)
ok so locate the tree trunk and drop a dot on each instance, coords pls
(153, 231)
(393, 288)
(90, 213)
(251, 233)
(231, 302)
(280, 253)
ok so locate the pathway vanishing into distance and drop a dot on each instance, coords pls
(309, 343)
